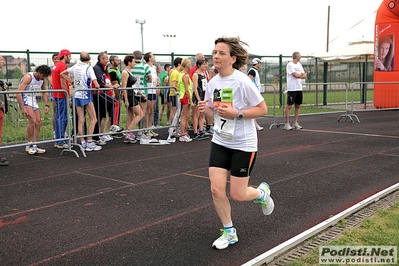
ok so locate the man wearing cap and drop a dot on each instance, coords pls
(253, 74)
(61, 99)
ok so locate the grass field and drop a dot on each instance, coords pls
(382, 229)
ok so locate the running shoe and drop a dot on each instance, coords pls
(118, 136)
(4, 162)
(115, 128)
(154, 134)
(91, 146)
(201, 136)
(228, 237)
(106, 138)
(130, 138)
(287, 126)
(209, 131)
(61, 146)
(266, 201)
(30, 150)
(101, 142)
(185, 138)
(39, 150)
(297, 126)
(149, 133)
(258, 127)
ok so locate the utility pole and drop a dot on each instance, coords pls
(141, 22)
(325, 64)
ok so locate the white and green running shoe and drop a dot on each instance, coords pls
(228, 237)
(266, 202)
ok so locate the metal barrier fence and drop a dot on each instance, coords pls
(350, 92)
(16, 124)
(339, 97)
(318, 98)
(266, 90)
(77, 136)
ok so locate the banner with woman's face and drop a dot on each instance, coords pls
(385, 54)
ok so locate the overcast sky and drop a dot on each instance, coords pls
(270, 27)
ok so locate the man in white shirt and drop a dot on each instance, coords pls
(83, 79)
(295, 75)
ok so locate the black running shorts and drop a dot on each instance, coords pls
(294, 97)
(239, 163)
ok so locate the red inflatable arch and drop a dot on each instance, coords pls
(386, 65)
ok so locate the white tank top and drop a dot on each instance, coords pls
(29, 98)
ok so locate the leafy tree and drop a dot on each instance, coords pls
(17, 74)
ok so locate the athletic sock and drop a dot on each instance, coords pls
(228, 225)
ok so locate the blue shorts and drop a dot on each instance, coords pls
(82, 102)
(151, 97)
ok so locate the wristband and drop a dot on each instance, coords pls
(47, 105)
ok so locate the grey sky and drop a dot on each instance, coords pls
(270, 28)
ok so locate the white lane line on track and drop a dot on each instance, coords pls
(351, 133)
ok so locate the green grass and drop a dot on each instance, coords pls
(382, 229)
(313, 102)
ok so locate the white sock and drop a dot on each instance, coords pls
(228, 225)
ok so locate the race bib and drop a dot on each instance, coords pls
(224, 127)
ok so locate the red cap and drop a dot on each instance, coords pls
(63, 52)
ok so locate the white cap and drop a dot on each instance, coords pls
(256, 60)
